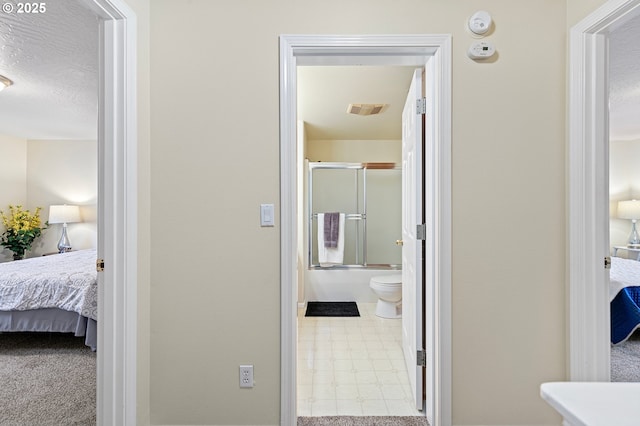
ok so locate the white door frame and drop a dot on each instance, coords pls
(588, 207)
(294, 49)
(117, 215)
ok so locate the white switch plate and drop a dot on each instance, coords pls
(266, 215)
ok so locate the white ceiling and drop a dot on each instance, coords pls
(325, 92)
(53, 60)
(624, 82)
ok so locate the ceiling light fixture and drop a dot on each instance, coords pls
(4, 82)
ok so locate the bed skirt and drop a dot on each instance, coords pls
(51, 320)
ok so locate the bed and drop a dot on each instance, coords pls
(624, 295)
(56, 293)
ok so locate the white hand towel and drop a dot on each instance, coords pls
(328, 257)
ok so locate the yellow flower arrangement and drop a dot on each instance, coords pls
(22, 228)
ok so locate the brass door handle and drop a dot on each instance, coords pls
(399, 242)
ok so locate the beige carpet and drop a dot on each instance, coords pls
(46, 379)
(625, 360)
(362, 421)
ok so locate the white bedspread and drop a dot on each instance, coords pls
(66, 281)
(623, 273)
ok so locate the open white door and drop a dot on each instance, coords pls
(413, 245)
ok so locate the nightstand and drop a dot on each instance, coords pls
(634, 251)
(57, 252)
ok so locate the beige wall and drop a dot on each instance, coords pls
(355, 151)
(13, 179)
(579, 9)
(63, 172)
(624, 184)
(215, 273)
(38, 173)
(13, 171)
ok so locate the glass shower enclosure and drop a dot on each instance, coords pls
(370, 196)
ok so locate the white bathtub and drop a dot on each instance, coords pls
(327, 285)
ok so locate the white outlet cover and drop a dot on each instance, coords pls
(246, 376)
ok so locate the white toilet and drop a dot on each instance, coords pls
(389, 291)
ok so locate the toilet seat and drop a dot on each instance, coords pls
(387, 279)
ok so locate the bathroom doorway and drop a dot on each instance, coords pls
(356, 365)
(373, 51)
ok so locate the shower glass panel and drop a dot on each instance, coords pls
(370, 198)
(384, 216)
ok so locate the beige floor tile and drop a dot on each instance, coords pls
(393, 392)
(304, 407)
(388, 378)
(401, 407)
(323, 391)
(346, 391)
(344, 377)
(323, 407)
(366, 377)
(362, 364)
(370, 391)
(352, 366)
(375, 407)
(349, 407)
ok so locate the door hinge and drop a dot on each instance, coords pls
(421, 106)
(421, 231)
(607, 262)
(421, 357)
(100, 265)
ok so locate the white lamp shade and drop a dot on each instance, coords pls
(629, 209)
(64, 214)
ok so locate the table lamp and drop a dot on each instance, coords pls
(631, 210)
(64, 214)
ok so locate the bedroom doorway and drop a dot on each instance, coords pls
(370, 50)
(117, 214)
(113, 74)
(589, 315)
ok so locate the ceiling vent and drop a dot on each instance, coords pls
(366, 109)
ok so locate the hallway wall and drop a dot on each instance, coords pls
(215, 275)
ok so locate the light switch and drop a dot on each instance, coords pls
(266, 215)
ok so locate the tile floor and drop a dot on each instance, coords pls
(352, 366)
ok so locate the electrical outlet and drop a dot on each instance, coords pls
(246, 376)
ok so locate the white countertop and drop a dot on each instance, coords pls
(594, 403)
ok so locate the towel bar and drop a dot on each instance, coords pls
(352, 216)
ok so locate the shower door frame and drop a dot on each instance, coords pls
(435, 50)
(361, 215)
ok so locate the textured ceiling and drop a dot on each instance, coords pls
(624, 81)
(52, 59)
